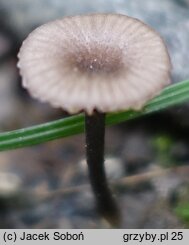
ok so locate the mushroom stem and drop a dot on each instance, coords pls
(95, 132)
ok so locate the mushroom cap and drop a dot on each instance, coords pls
(103, 62)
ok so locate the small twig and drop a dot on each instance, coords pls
(125, 181)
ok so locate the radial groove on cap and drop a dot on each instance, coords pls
(106, 62)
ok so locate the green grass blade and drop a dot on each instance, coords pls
(170, 96)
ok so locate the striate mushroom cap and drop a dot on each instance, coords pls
(104, 62)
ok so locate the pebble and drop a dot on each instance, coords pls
(9, 184)
(113, 166)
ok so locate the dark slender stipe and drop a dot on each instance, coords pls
(95, 132)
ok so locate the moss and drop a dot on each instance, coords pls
(163, 145)
(182, 212)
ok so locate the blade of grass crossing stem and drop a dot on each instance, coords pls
(170, 96)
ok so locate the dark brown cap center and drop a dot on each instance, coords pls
(97, 60)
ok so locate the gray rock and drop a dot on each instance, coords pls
(161, 217)
(170, 19)
(137, 151)
(134, 208)
(8, 99)
(5, 45)
(166, 184)
(179, 152)
(146, 210)
(25, 15)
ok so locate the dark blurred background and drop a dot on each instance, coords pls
(46, 186)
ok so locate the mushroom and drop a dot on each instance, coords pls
(95, 63)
